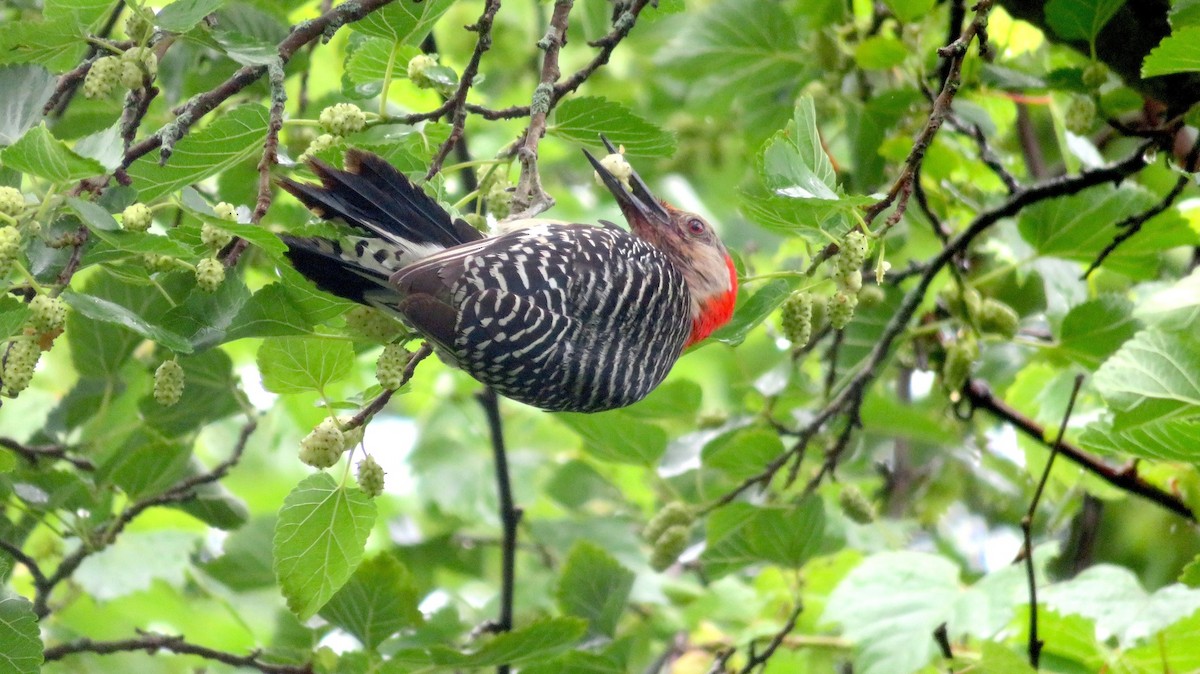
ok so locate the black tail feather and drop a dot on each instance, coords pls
(373, 196)
(321, 261)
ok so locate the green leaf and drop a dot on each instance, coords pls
(300, 364)
(1078, 227)
(214, 505)
(29, 86)
(618, 437)
(910, 10)
(997, 658)
(582, 120)
(751, 310)
(1158, 440)
(594, 586)
(56, 43)
(1092, 331)
(1080, 19)
(741, 534)
(533, 643)
(40, 154)
(136, 560)
(1154, 375)
(1177, 53)
(379, 600)
(1172, 650)
(20, 641)
(740, 52)
(403, 21)
(101, 344)
(1113, 597)
(13, 314)
(245, 562)
(86, 12)
(890, 604)
(8, 461)
(180, 16)
(319, 541)
(368, 63)
(146, 464)
(232, 138)
(1176, 307)
(742, 452)
(880, 53)
(100, 309)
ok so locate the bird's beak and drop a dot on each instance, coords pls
(637, 203)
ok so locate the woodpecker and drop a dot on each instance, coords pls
(561, 316)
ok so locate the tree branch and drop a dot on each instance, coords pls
(510, 514)
(152, 643)
(34, 454)
(530, 199)
(1125, 479)
(455, 105)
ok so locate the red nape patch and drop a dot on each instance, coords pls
(716, 311)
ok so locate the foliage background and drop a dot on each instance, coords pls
(146, 538)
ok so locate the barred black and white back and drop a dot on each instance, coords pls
(545, 314)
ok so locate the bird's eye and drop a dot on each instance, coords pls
(696, 227)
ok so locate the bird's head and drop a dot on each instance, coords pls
(689, 242)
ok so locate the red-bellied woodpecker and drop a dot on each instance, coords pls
(560, 316)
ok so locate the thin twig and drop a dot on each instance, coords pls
(270, 157)
(607, 44)
(980, 397)
(35, 454)
(1035, 644)
(152, 643)
(456, 104)
(986, 154)
(760, 659)
(529, 198)
(364, 415)
(510, 515)
(35, 571)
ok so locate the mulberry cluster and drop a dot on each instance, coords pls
(12, 202)
(138, 66)
(389, 369)
(668, 532)
(10, 248)
(847, 274)
(342, 119)
(960, 358)
(370, 477)
(47, 314)
(856, 506)
(19, 364)
(214, 237)
(102, 77)
(1080, 115)
(210, 273)
(324, 445)
(616, 165)
(319, 144)
(137, 217)
(168, 383)
(418, 70)
(372, 324)
(796, 320)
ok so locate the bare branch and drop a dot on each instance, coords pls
(152, 643)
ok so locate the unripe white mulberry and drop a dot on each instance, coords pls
(10, 248)
(389, 369)
(418, 70)
(137, 217)
(841, 309)
(102, 77)
(22, 360)
(319, 144)
(669, 546)
(210, 273)
(47, 313)
(372, 324)
(856, 506)
(1095, 75)
(616, 165)
(226, 211)
(796, 319)
(12, 202)
(1080, 115)
(674, 514)
(324, 445)
(999, 318)
(137, 65)
(960, 357)
(214, 237)
(168, 383)
(137, 28)
(343, 118)
(370, 477)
